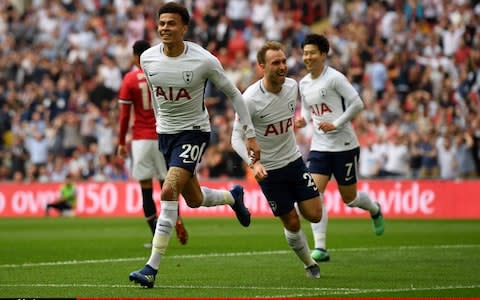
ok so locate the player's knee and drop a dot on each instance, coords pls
(348, 196)
(291, 224)
(316, 218)
(167, 193)
(193, 204)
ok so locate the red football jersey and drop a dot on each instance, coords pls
(135, 91)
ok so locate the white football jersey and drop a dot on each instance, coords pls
(272, 117)
(325, 99)
(178, 86)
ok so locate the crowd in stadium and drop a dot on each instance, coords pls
(416, 65)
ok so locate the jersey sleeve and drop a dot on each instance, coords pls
(345, 88)
(304, 109)
(238, 140)
(124, 95)
(218, 77)
(125, 101)
(353, 101)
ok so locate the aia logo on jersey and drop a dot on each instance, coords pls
(171, 94)
(320, 109)
(187, 76)
(279, 128)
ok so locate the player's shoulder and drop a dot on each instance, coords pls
(196, 49)
(150, 52)
(132, 76)
(305, 79)
(133, 73)
(290, 83)
(334, 73)
(253, 90)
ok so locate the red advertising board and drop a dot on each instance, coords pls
(399, 199)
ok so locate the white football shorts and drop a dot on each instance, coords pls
(148, 161)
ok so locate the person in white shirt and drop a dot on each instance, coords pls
(176, 72)
(281, 171)
(331, 102)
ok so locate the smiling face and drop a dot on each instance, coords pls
(275, 67)
(313, 59)
(171, 28)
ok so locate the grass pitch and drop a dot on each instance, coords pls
(82, 257)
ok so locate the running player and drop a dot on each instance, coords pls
(281, 172)
(148, 161)
(331, 102)
(176, 72)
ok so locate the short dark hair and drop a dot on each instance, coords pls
(269, 45)
(140, 46)
(318, 40)
(175, 8)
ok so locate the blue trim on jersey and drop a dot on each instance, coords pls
(203, 95)
(344, 107)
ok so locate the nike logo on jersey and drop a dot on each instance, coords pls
(263, 116)
(152, 74)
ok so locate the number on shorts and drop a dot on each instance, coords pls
(349, 168)
(192, 152)
(310, 181)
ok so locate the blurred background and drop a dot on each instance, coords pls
(416, 65)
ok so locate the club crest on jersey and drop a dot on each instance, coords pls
(291, 106)
(323, 92)
(187, 76)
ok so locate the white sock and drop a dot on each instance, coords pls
(165, 223)
(319, 230)
(213, 197)
(298, 243)
(363, 201)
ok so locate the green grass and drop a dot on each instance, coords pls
(80, 257)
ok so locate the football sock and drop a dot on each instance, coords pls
(319, 230)
(149, 208)
(298, 243)
(165, 223)
(363, 201)
(152, 223)
(213, 197)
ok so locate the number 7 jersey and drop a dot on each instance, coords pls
(325, 98)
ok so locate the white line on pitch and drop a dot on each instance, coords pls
(353, 291)
(305, 292)
(231, 254)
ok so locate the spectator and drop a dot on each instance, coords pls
(397, 157)
(370, 161)
(463, 143)
(429, 166)
(37, 147)
(446, 158)
(415, 154)
(51, 50)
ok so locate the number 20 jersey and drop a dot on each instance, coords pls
(178, 86)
